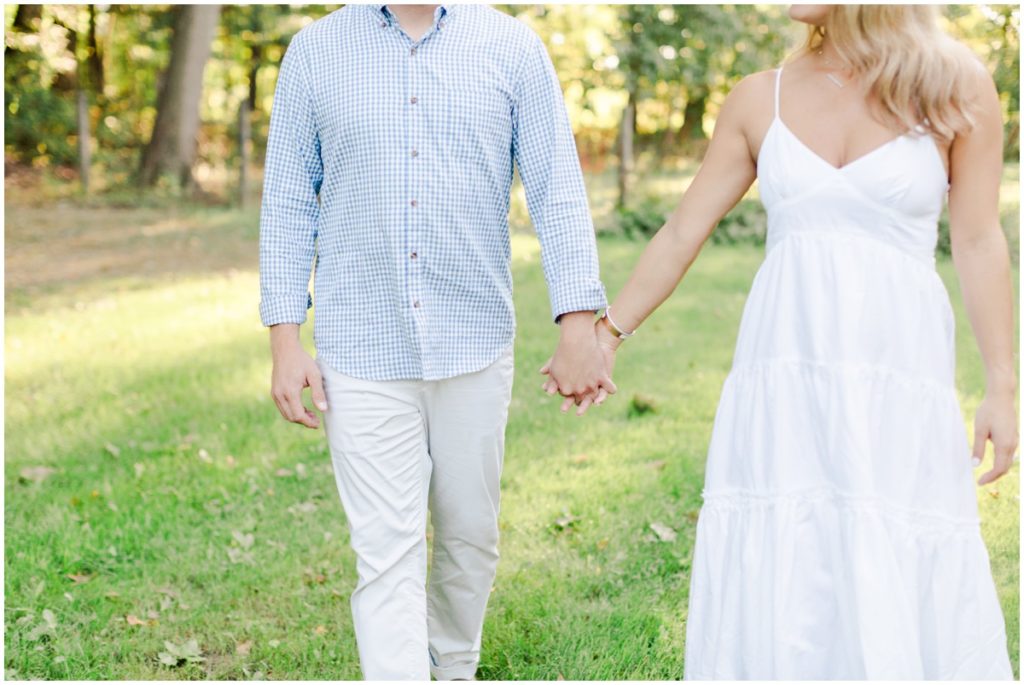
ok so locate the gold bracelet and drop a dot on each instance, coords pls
(616, 331)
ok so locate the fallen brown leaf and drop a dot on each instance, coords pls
(37, 474)
(664, 533)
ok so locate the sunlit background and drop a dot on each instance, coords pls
(162, 521)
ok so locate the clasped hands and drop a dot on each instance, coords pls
(581, 368)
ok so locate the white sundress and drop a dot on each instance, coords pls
(839, 535)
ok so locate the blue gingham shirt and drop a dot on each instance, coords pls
(388, 171)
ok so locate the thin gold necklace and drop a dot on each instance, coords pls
(828, 74)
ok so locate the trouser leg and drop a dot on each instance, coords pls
(378, 444)
(466, 417)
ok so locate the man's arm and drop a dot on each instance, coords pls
(545, 153)
(288, 223)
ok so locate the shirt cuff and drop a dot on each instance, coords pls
(285, 309)
(582, 295)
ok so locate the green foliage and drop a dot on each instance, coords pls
(643, 220)
(679, 61)
(745, 224)
(993, 33)
(39, 124)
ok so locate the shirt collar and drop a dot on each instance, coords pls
(443, 11)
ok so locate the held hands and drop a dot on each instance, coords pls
(295, 370)
(581, 367)
(995, 420)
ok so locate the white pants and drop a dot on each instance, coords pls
(397, 447)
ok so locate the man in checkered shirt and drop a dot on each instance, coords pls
(393, 137)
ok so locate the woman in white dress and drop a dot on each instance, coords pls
(839, 534)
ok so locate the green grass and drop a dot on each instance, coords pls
(149, 400)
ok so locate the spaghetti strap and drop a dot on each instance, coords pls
(778, 82)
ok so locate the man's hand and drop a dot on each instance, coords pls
(995, 420)
(294, 370)
(579, 369)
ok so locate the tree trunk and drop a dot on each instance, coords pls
(94, 58)
(172, 147)
(26, 20)
(244, 134)
(68, 81)
(84, 150)
(26, 17)
(693, 119)
(255, 55)
(254, 70)
(626, 134)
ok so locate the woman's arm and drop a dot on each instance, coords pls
(725, 175)
(983, 265)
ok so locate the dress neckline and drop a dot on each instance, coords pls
(860, 158)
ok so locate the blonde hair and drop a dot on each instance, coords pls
(918, 73)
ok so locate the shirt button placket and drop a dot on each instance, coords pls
(415, 211)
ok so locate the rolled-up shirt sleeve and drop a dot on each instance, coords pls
(545, 154)
(289, 212)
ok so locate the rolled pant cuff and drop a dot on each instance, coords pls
(460, 672)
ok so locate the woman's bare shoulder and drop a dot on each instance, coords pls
(750, 105)
(754, 90)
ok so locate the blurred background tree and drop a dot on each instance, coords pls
(643, 83)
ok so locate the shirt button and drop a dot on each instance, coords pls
(413, 203)
(416, 304)
(415, 153)
(413, 100)
(413, 256)
(383, 24)
(412, 52)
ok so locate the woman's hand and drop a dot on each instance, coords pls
(995, 420)
(605, 345)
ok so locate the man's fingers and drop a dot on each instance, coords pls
(546, 369)
(279, 404)
(608, 385)
(568, 402)
(309, 419)
(298, 413)
(316, 387)
(602, 395)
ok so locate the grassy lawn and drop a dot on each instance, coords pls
(164, 500)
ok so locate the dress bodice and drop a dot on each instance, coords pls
(894, 193)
